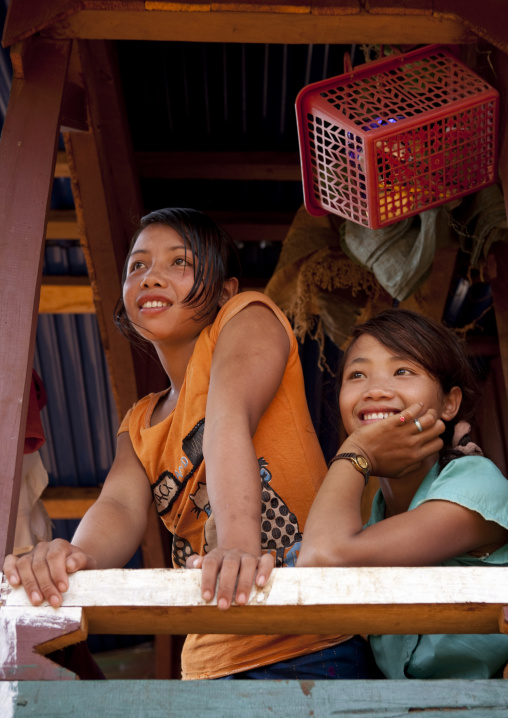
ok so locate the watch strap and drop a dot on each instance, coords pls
(353, 458)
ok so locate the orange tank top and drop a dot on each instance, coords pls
(291, 467)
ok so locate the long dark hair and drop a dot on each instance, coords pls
(216, 260)
(438, 350)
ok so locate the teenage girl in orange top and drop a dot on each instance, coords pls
(235, 403)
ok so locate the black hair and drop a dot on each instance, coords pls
(434, 347)
(216, 260)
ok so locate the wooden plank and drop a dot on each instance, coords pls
(62, 224)
(278, 166)
(27, 17)
(62, 166)
(488, 19)
(262, 27)
(408, 7)
(66, 299)
(230, 699)
(24, 643)
(307, 600)
(69, 502)
(243, 227)
(27, 156)
(74, 114)
(101, 230)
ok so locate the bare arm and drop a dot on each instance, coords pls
(425, 536)
(107, 536)
(247, 368)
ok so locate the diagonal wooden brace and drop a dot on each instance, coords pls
(27, 633)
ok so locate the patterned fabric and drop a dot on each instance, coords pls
(291, 467)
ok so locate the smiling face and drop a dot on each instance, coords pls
(378, 383)
(159, 277)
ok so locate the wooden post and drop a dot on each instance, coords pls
(27, 158)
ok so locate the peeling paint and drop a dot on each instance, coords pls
(8, 641)
(307, 687)
(8, 696)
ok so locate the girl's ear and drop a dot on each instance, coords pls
(451, 403)
(229, 289)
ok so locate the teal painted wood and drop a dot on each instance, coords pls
(252, 699)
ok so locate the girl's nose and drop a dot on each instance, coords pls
(152, 278)
(378, 391)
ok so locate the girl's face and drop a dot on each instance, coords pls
(160, 275)
(377, 384)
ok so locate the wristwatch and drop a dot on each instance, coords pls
(359, 462)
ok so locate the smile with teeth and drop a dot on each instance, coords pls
(154, 305)
(378, 415)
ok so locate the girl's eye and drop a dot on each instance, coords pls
(136, 265)
(182, 262)
(403, 371)
(356, 375)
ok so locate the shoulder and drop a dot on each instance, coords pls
(138, 412)
(473, 482)
(247, 303)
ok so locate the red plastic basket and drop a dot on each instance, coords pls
(397, 136)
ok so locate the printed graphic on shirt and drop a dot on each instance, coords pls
(279, 527)
(170, 485)
(202, 503)
(181, 551)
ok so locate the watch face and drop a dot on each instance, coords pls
(362, 462)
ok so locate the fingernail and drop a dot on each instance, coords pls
(223, 603)
(71, 565)
(402, 419)
(261, 581)
(14, 580)
(35, 597)
(195, 563)
(54, 601)
(242, 598)
(207, 595)
(61, 586)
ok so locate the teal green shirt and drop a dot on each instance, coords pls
(477, 484)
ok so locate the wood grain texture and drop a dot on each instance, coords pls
(69, 502)
(66, 299)
(275, 166)
(319, 26)
(284, 699)
(26, 173)
(307, 600)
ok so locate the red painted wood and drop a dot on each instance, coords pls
(20, 637)
(27, 158)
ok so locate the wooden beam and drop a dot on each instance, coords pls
(69, 502)
(62, 223)
(306, 25)
(246, 698)
(27, 157)
(101, 177)
(242, 226)
(62, 166)
(279, 166)
(24, 644)
(66, 299)
(376, 600)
